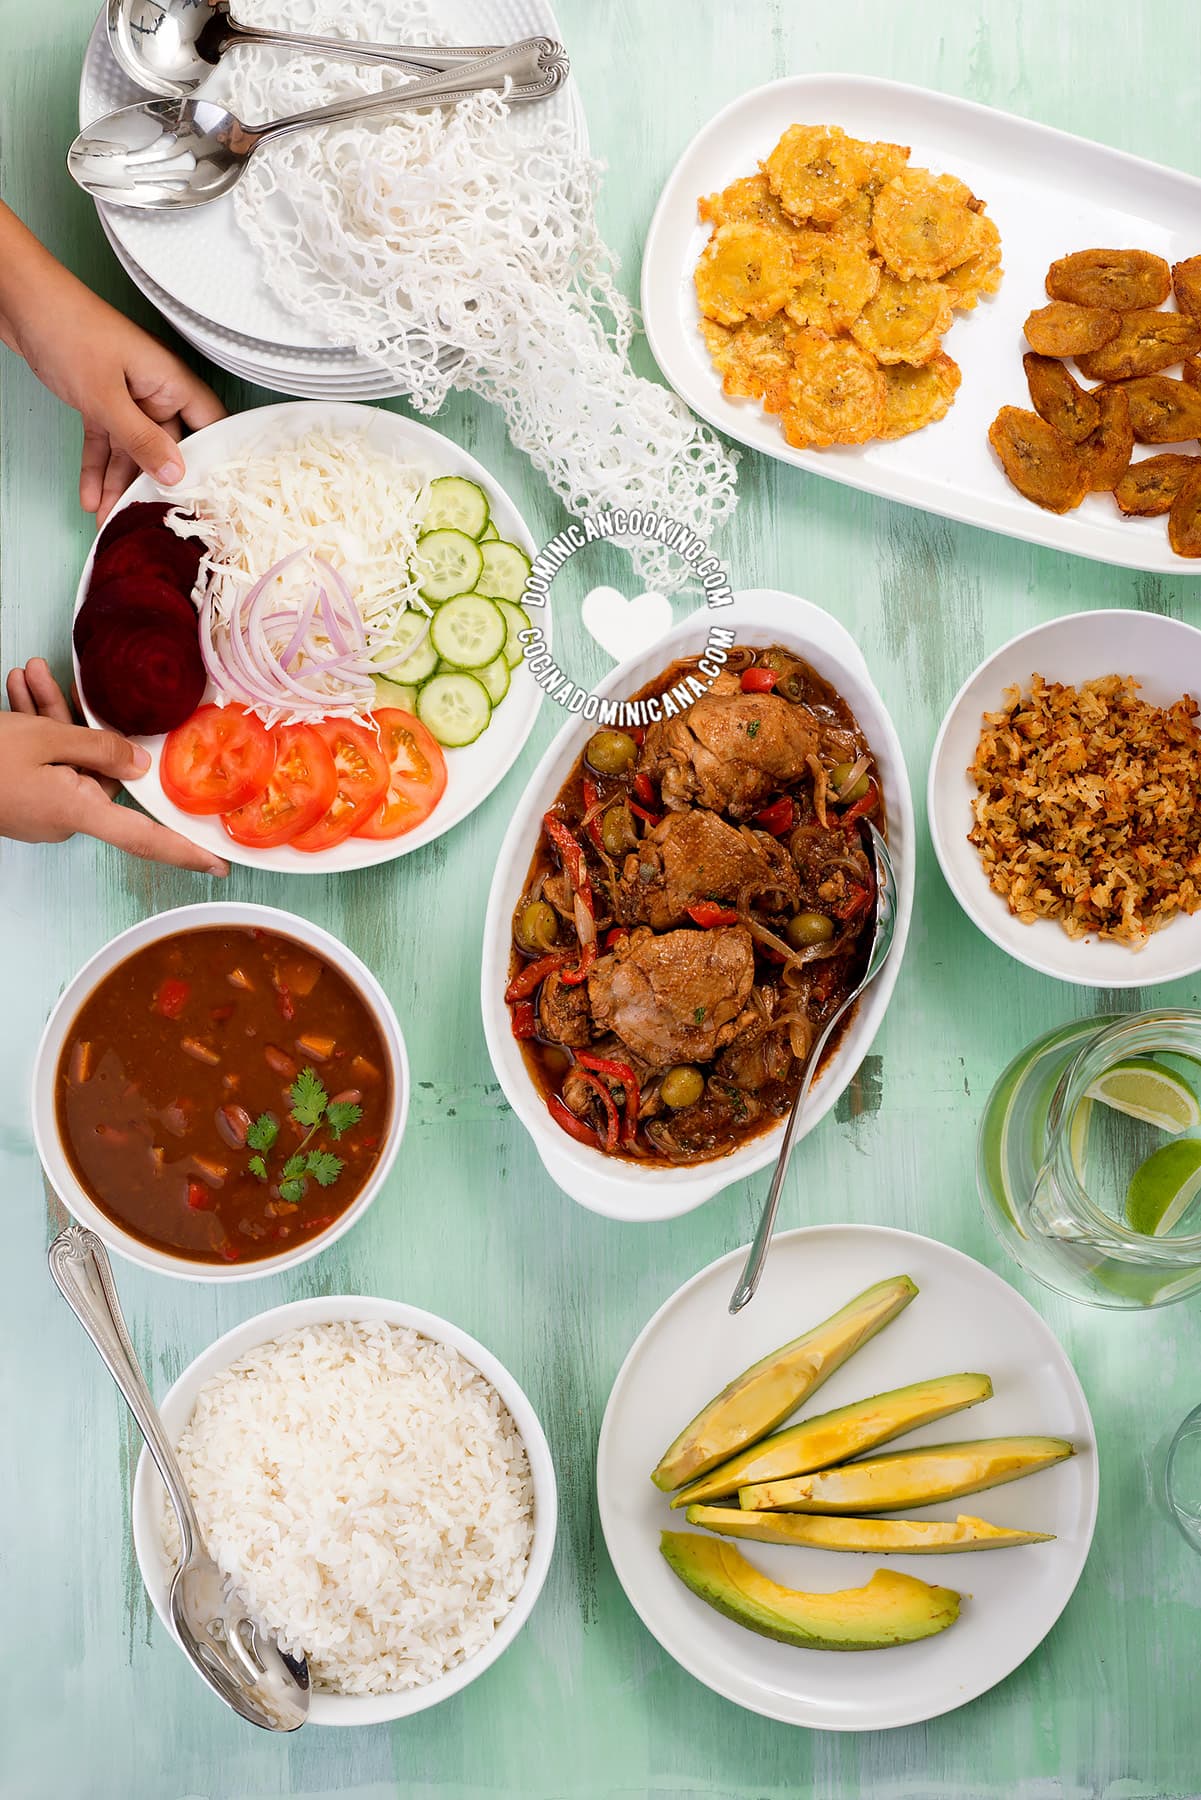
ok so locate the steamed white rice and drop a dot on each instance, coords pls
(368, 1491)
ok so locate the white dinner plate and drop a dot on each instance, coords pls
(964, 1318)
(1049, 193)
(1164, 656)
(473, 772)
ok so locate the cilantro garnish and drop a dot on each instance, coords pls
(258, 1168)
(340, 1115)
(313, 1110)
(752, 729)
(263, 1133)
(699, 1015)
(309, 1098)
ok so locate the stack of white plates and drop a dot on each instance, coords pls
(204, 275)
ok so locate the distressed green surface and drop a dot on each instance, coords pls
(98, 1706)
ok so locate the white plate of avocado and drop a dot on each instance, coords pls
(806, 1477)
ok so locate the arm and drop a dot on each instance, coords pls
(134, 395)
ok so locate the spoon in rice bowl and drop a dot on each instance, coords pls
(233, 1652)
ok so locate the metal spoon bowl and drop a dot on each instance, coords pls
(882, 938)
(233, 1652)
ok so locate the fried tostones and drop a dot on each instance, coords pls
(1186, 281)
(745, 270)
(914, 396)
(1039, 463)
(905, 321)
(1148, 488)
(1118, 279)
(1163, 409)
(752, 358)
(1058, 397)
(1146, 342)
(834, 394)
(1062, 329)
(1184, 519)
(981, 272)
(747, 201)
(815, 171)
(1106, 452)
(1191, 371)
(837, 281)
(922, 224)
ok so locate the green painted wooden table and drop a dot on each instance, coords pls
(97, 1704)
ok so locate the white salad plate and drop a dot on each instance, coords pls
(175, 1409)
(1164, 656)
(617, 1186)
(472, 772)
(1049, 193)
(964, 1317)
(202, 260)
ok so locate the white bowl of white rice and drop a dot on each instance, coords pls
(377, 1485)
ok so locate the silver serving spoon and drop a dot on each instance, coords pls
(234, 1653)
(164, 155)
(170, 46)
(886, 919)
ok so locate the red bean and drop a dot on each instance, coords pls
(279, 1062)
(233, 1123)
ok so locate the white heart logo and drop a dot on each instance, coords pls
(624, 627)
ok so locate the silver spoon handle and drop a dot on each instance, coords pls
(752, 1269)
(412, 56)
(81, 1269)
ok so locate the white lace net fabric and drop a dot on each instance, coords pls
(454, 250)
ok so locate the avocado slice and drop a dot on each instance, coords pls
(834, 1436)
(883, 1537)
(909, 1477)
(762, 1397)
(891, 1609)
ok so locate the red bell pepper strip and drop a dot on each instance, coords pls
(778, 817)
(638, 733)
(759, 681)
(591, 800)
(708, 913)
(533, 975)
(525, 1022)
(856, 901)
(612, 1124)
(577, 873)
(640, 812)
(573, 977)
(616, 1071)
(563, 1116)
(862, 807)
(172, 997)
(644, 788)
(615, 935)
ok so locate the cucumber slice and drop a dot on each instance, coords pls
(468, 631)
(454, 502)
(489, 532)
(504, 571)
(447, 562)
(516, 619)
(455, 708)
(495, 678)
(395, 693)
(409, 627)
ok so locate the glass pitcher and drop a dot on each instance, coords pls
(1062, 1173)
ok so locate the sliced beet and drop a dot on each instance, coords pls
(151, 550)
(133, 517)
(142, 672)
(146, 596)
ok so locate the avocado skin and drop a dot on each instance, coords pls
(874, 1537)
(910, 1477)
(892, 1609)
(762, 1397)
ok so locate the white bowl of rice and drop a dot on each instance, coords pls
(377, 1485)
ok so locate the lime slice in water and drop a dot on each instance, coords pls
(1078, 1137)
(1148, 1090)
(1164, 1187)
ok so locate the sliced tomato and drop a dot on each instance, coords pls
(416, 775)
(217, 760)
(301, 786)
(362, 784)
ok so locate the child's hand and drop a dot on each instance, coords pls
(58, 778)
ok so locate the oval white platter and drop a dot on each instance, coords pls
(1049, 193)
(472, 773)
(964, 1318)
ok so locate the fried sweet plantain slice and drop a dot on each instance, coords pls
(1119, 279)
(816, 170)
(749, 200)
(922, 224)
(1061, 329)
(1184, 519)
(1148, 488)
(1106, 452)
(752, 358)
(745, 270)
(1058, 397)
(1039, 463)
(914, 397)
(905, 320)
(1186, 282)
(1146, 342)
(981, 272)
(833, 394)
(1163, 409)
(1191, 371)
(838, 280)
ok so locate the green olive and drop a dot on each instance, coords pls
(617, 830)
(808, 928)
(537, 927)
(839, 775)
(682, 1086)
(611, 752)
